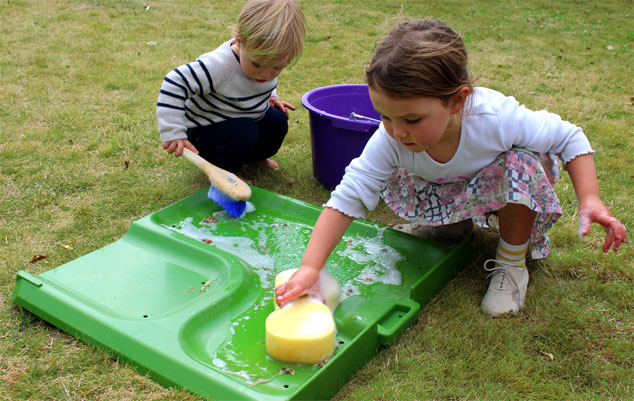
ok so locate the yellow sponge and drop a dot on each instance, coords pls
(301, 332)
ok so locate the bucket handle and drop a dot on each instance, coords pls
(354, 116)
(354, 125)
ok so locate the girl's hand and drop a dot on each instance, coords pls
(329, 228)
(591, 209)
(176, 146)
(303, 281)
(595, 211)
(283, 106)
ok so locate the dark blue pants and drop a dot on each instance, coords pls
(233, 143)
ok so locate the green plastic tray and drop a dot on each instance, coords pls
(185, 300)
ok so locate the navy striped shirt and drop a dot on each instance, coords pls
(209, 90)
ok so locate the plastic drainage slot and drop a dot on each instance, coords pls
(396, 320)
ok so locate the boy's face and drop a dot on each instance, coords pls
(252, 68)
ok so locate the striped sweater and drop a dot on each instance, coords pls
(209, 90)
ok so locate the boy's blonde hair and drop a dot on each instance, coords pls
(272, 31)
(420, 58)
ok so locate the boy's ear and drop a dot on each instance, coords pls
(458, 100)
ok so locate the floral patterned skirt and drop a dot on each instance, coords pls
(517, 176)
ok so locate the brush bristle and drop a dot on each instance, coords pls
(234, 207)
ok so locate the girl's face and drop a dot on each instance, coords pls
(418, 123)
(252, 69)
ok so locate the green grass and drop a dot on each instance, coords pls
(78, 87)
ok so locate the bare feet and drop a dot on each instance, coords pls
(268, 163)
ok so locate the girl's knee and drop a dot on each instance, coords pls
(516, 222)
(517, 209)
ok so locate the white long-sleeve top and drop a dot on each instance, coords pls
(493, 124)
(211, 89)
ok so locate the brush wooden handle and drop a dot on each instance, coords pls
(225, 181)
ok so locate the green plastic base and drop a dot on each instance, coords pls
(186, 300)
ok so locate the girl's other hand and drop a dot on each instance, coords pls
(303, 281)
(176, 146)
(597, 212)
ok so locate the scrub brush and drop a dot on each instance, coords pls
(227, 190)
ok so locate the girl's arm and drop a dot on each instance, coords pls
(329, 228)
(583, 174)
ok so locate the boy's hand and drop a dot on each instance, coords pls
(283, 106)
(176, 146)
(596, 212)
(303, 281)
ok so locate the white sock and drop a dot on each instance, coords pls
(514, 255)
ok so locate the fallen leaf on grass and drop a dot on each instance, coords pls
(38, 258)
(551, 356)
(68, 248)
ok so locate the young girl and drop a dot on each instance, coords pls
(224, 105)
(447, 153)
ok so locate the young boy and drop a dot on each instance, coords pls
(219, 106)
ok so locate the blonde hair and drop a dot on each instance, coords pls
(420, 58)
(272, 31)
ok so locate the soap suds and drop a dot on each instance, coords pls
(378, 262)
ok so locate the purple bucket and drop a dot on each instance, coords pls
(337, 138)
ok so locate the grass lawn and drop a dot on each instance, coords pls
(81, 159)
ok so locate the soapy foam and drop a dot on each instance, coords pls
(378, 260)
(313, 323)
(241, 247)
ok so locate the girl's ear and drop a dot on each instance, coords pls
(458, 100)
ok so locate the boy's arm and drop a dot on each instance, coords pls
(179, 85)
(583, 174)
(329, 228)
(170, 107)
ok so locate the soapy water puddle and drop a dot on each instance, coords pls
(270, 245)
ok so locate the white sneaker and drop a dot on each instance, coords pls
(507, 289)
(448, 232)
